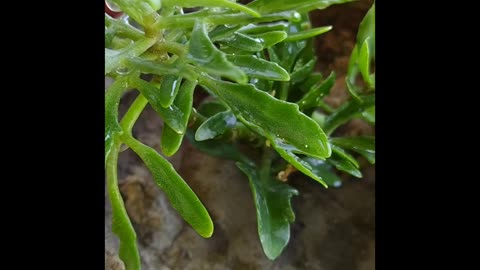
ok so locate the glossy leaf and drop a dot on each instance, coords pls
(268, 6)
(286, 53)
(218, 148)
(323, 169)
(244, 42)
(264, 27)
(171, 140)
(215, 126)
(351, 87)
(168, 89)
(308, 33)
(277, 119)
(346, 112)
(369, 115)
(364, 145)
(121, 224)
(366, 31)
(286, 151)
(364, 62)
(211, 3)
(172, 115)
(112, 100)
(180, 195)
(269, 39)
(345, 165)
(222, 32)
(302, 73)
(274, 210)
(161, 69)
(208, 58)
(259, 68)
(340, 153)
(113, 59)
(317, 92)
(217, 18)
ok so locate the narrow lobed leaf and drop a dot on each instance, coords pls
(180, 195)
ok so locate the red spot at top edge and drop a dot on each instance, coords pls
(111, 12)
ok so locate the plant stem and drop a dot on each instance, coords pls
(266, 163)
(128, 121)
(283, 91)
(121, 224)
(122, 29)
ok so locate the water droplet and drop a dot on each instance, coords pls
(296, 17)
(122, 70)
(337, 184)
(112, 6)
(306, 146)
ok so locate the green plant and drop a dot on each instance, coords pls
(256, 62)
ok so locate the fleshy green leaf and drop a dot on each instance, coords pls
(343, 164)
(323, 169)
(244, 42)
(346, 112)
(113, 59)
(172, 115)
(215, 125)
(369, 115)
(171, 140)
(274, 210)
(278, 120)
(152, 67)
(317, 92)
(211, 3)
(168, 89)
(264, 27)
(208, 58)
(180, 195)
(121, 224)
(216, 18)
(364, 62)
(286, 151)
(366, 30)
(300, 74)
(268, 6)
(352, 88)
(286, 53)
(363, 145)
(259, 68)
(269, 39)
(340, 153)
(308, 33)
(222, 32)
